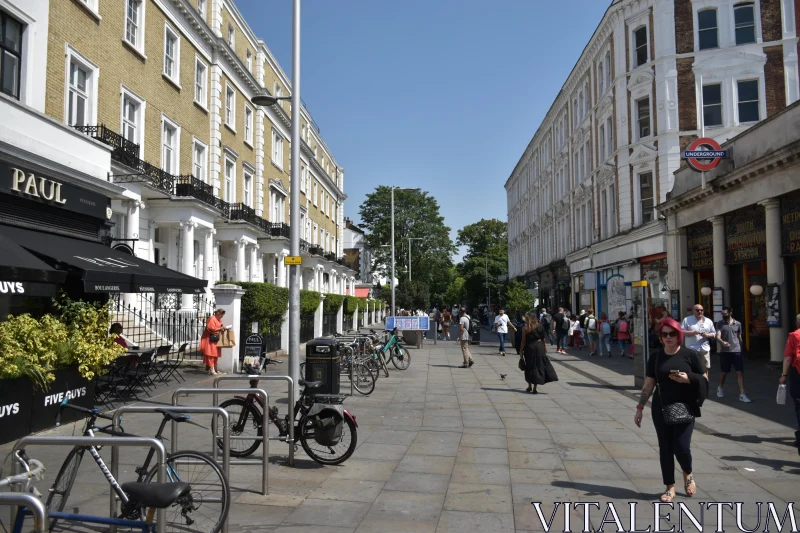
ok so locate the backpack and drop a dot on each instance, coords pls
(606, 327)
(622, 327)
(473, 327)
(546, 321)
(566, 323)
(591, 324)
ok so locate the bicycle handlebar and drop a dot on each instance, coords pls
(36, 471)
(94, 411)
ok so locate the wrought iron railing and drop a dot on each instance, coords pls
(306, 327)
(316, 250)
(244, 212)
(189, 186)
(304, 245)
(279, 229)
(123, 150)
(330, 256)
(329, 323)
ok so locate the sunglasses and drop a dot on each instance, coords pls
(668, 334)
(698, 310)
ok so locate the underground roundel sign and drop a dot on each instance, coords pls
(704, 154)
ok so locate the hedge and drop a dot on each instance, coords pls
(350, 304)
(362, 304)
(333, 302)
(264, 303)
(309, 302)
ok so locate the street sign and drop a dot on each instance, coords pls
(704, 154)
(408, 323)
(293, 260)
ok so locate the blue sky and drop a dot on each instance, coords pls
(438, 94)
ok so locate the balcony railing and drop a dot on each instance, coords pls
(189, 186)
(330, 257)
(123, 151)
(316, 250)
(279, 229)
(245, 213)
(304, 245)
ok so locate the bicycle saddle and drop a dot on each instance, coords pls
(174, 416)
(156, 495)
(310, 384)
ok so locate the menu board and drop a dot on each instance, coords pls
(746, 236)
(700, 245)
(790, 224)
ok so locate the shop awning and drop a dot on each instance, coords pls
(103, 269)
(23, 273)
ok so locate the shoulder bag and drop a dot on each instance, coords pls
(676, 413)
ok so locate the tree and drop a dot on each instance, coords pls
(482, 236)
(486, 259)
(518, 298)
(455, 292)
(413, 295)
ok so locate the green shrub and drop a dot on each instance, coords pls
(333, 302)
(264, 303)
(309, 302)
(350, 304)
(362, 304)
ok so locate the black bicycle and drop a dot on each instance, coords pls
(202, 509)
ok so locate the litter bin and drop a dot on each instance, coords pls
(322, 364)
(476, 338)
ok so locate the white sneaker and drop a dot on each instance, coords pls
(744, 398)
(720, 394)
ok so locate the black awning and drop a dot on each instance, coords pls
(22, 273)
(104, 269)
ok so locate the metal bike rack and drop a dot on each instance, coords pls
(33, 504)
(149, 442)
(264, 437)
(290, 382)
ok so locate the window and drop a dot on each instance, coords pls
(231, 35)
(582, 163)
(200, 82)
(748, 101)
(610, 130)
(712, 105)
(250, 61)
(612, 211)
(640, 42)
(646, 191)
(278, 202)
(78, 99)
(607, 62)
(171, 55)
(314, 195)
(277, 149)
(248, 125)
(133, 23)
(230, 173)
(744, 22)
(201, 7)
(169, 146)
(303, 177)
(707, 29)
(130, 118)
(601, 78)
(248, 188)
(11, 51)
(587, 152)
(575, 168)
(601, 134)
(230, 107)
(604, 213)
(643, 117)
(199, 161)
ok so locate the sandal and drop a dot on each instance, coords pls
(689, 482)
(668, 495)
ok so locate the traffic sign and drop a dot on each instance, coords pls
(704, 154)
(293, 260)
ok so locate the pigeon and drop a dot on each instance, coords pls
(503, 376)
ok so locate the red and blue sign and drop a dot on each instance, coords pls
(704, 154)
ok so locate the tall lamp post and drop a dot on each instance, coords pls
(409, 253)
(394, 309)
(267, 100)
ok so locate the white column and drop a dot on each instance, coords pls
(281, 271)
(132, 221)
(254, 262)
(261, 267)
(269, 274)
(332, 277)
(187, 241)
(721, 279)
(775, 274)
(229, 298)
(241, 273)
(208, 256)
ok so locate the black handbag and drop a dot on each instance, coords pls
(214, 337)
(522, 363)
(676, 413)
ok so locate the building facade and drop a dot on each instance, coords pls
(199, 178)
(655, 75)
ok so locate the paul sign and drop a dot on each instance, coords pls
(704, 154)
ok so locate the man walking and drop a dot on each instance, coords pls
(698, 330)
(582, 327)
(560, 329)
(591, 331)
(791, 369)
(547, 323)
(501, 324)
(729, 335)
(463, 337)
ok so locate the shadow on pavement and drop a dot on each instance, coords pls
(755, 439)
(790, 467)
(601, 386)
(613, 493)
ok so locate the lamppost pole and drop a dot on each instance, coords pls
(409, 253)
(393, 306)
(294, 204)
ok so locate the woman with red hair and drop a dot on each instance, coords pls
(680, 380)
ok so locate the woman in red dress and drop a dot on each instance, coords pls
(209, 348)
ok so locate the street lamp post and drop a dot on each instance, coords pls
(393, 283)
(409, 253)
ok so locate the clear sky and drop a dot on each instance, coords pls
(438, 94)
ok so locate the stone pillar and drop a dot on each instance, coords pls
(132, 221)
(260, 269)
(775, 274)
(208, 256)
(285, 330)
(318, 316)
(355, 319)
(270, 276)
(281, 273)
(229, 298)
(721, 278)
(187, 241)
(339, 318)
(241, 273)
(254, 262)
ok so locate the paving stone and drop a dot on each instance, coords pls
(482, 455)
(418, 482)
(532, 445)
(406, 506)
(470, 522)
(546, 461)
(348, 490)
(479, 498)
(382, 452)
(391, 436)
(431, 464)
(364, 470)
(481, 440)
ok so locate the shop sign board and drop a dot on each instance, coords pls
(790, 224)
(746, 237)
(700, 245)
(408, 323)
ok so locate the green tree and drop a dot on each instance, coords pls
(486, 259)
(413, 295)
(455, 292)
(518, 299)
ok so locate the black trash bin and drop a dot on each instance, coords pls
(322, 364)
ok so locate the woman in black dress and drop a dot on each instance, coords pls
(538, 369)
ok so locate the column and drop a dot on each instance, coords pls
(208, 256)
(260, 267)
(270, 276)
(254, 262)
(132, 232)
(229, 298)
(187, 242)
(281, 271)
(333, 277)
(241, 273)
(721, 279)
(775, 274)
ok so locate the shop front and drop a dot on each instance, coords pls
(700, 255)
(563, 292)
(790, 249)
(653, 270)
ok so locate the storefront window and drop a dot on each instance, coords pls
(655, 274)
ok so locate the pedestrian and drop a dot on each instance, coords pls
(575, 338)
(501, 325)
(547, 322)
(698, 330)
(519, 324)
(561, 325)
(582, 326)
(729, 335)
(538, 369)
(680, 380)
(116, 331)
(605, 334)
(463, 337)
(622, 327)
(446, 318)
(591, 331)
(791, 369)
(209, 339)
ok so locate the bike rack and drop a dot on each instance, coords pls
(264, 437)
(259, 377)
(226, 431)
(32, 503)
(149, 442)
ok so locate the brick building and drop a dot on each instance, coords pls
(160, 91)
(656, 74)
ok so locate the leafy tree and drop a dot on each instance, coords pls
(482, 236)
(518, 299)
(413, 295)
(486, 257)
(455, 292)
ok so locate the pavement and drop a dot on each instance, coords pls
(447, 449)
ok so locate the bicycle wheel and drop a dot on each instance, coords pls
(401, 359)
(245, 421)
(329, 455)
(62, 486)
(206, 507)
(373, 367)
(363, 380)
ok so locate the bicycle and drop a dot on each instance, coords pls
(394, 350)
(319, 420)
(147, 496)
(207, 504)
(362, 376)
